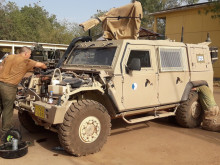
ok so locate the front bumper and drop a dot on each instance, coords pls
(48, 113)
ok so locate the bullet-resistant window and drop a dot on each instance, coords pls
(171, 59)
(92, 56)
(143, 55)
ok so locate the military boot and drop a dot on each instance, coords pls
(211, 120)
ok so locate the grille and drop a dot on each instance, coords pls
(171, 59)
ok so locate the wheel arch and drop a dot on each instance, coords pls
(190, 85)
(102, 99)
(189, 113)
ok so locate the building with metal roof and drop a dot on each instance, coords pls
(12, 47)
(195, 24)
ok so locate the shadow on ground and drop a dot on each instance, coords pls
(49, 140)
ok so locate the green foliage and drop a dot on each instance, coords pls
(190, 2)
(33, 23)
(214, 9)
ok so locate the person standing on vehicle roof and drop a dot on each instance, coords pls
(211, 119)
(13, 69)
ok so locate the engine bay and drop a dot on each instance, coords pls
(52, 83)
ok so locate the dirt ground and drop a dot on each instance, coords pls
(149, 143)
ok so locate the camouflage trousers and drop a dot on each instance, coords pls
(7, 98)
(211, 120)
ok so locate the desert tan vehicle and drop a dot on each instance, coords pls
(96, 81)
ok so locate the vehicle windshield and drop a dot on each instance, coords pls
(92, 56)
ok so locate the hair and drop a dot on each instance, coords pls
(24, 49)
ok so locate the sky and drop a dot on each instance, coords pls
(74, 10)
(77, 11)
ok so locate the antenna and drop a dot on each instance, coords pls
(182, 34)
(208, 38)
(89, 32)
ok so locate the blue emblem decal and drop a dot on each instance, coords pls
(134, 86)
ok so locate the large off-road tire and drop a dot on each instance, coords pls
(28, 123)
(189, 113)
(85, 128)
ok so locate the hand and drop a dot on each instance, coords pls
(40, 65)
(44, 66)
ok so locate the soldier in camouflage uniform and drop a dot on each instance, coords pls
(211, 119)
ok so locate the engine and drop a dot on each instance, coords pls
(40, 86)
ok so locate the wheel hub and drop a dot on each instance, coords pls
(89, 129)
(195, 110)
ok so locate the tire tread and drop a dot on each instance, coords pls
(65, 129)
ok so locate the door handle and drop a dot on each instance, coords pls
(178, 80)
(147, 82)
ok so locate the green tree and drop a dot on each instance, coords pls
(7, 24)
(190, 2)
(214, 9)
(34, 23)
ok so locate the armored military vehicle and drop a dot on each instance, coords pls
(96, 81)
(101, 80)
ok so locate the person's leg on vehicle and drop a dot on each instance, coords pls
(211, 120)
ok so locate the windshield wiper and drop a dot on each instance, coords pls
(91, 45)
(108, 44)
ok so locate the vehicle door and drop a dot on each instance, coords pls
(173, 74)
(140, 86)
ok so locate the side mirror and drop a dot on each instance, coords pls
(214, 53)
(135, 64)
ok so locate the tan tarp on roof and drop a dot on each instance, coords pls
(119, 23)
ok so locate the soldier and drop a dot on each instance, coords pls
(13, 69)
(211, 119)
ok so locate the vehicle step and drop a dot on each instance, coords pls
(147, 118)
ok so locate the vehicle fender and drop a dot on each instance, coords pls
(103, 99)
(189, 86)
(84, 89)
